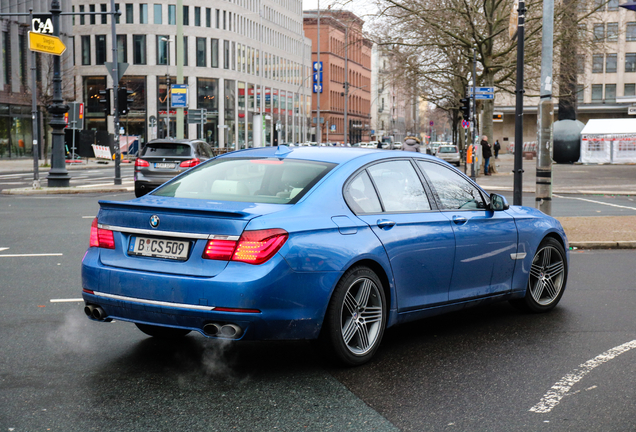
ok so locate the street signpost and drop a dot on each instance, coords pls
(484, 96)
(179, 96)
(198, 116)
(46, 44)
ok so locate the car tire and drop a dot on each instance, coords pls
(547, 278)
(139, 191)
(162, 332)
(356, 317)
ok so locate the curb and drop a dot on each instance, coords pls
(66, 190)
(603, 245)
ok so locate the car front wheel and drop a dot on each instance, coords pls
(356, 317)
(548, 275)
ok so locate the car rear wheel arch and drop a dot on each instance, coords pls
(377, 268)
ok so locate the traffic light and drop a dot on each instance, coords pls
(104, 100)
(124, 100)
(465, 108)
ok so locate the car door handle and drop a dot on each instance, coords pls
(385, 224)
(459, 220)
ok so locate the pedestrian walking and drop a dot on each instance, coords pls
(412, 144)
(496, 148)
(486, 153)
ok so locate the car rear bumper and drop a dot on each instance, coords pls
(290, 305)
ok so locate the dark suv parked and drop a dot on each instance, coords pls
(162, 159)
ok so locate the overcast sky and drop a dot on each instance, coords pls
(358, 7)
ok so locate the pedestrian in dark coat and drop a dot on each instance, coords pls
(486, 153)
(496, 147)
(411, 143)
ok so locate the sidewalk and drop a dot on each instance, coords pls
(23, 166)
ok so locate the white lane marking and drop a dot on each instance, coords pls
(562, 387)
(66, 300)
(595, 202)
(30, 255)
(14, 175)
(1, 249)
(103, 184)
(88, 217)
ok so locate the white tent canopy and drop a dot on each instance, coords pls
(609, 141)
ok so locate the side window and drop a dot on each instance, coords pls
(399, 187)
(360, 195)
(202, 149)
(454, 191)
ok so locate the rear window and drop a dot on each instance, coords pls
(166, 150)
(448, 149)
(258, 180)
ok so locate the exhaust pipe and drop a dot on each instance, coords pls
(230, 330)
(88, 310)
(98, 313)
(211, 329)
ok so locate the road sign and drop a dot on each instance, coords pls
(481, 90)
(465, 124)
(317, 66)
(333, 128)
(42, 23)
(322, 119)
(121, 68)
(76, 115)
(317, 77)
(179, 96)
(484, 96)
(317, 88)
(46, 44)
(631, 110)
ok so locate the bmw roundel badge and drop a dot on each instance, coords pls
(154, 221)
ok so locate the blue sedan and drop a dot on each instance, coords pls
(334, 244)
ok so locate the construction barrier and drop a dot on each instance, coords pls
(101, 152)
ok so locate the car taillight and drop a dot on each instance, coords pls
(190, 163)
(100, 237)
(140, 163)
(254, 247)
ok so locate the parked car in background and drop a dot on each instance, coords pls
(449, 153)
(433, 147)
(316, 243)
(162, 159)
(396, 145)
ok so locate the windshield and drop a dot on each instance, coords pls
(448, 149)
(258, 180)
(166, 149)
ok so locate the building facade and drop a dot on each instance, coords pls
(243, 66)
(16, 76)
(345, 55)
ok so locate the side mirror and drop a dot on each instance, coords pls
(498, 202)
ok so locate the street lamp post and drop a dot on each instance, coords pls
(167, 41)
(58, 175)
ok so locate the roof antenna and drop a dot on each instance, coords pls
(282, 150)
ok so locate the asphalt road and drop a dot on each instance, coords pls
(482, 369)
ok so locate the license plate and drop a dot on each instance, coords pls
(164, 165)
(159, 248)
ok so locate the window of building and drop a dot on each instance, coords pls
(599, 5)
(597, 92)
(612, 32)
(599, 32)
(139, 49)
(186, 15)
(208, 17)
(22, 64)
(82, 17)
(185, 51)
(102, 8)
(157, 14)
(226, 54)
(6, 58)
(162, 50)
(630, 62)
(233, 55)
(218, 18)
(122, 48)
(116, 16)
(129, 13)
(630, 31)
(612, 5)
(86, 50)
(143, 13)
(202, 51)
(91, 8)
(197, 16)
(597, 63)
(610, 92)
(580, 65)
(100, 49)
(214, 53)
(610, 63)
(172, 15)
(629, 90)
(224, 20)
(579, 93)
(92, 86)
